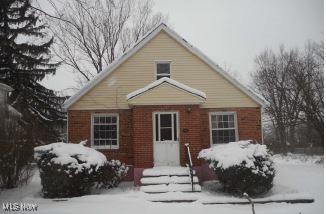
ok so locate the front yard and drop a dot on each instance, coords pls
(293, 178)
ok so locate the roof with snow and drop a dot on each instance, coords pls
(169, 81)
(141, 43)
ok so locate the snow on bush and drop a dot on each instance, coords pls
(241, 166)
(234, 153)
(77, 156)
(69, 170)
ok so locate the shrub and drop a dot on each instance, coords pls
(110, 174)
(16, 150)
(67, 170)
(15, 164)
(241, 167)
(59, 181)
(70, 170)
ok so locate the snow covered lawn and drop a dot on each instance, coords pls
(291, 179)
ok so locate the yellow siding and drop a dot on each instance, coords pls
(139, 70)
(166, 94)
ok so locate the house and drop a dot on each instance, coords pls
(5, 108)
(160, 95)
(4, 90)
(8, 114)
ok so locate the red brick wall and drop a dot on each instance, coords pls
(79, 128)
(249, 124)
(197, 123)
(136, 130)
(143, 132)
(142, 137)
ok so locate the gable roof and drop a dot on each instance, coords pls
(141, 43)
(169, 81)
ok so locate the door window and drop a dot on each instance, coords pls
(166, 127)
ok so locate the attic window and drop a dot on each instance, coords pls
(163, 69)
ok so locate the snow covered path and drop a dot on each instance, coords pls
(290, 178)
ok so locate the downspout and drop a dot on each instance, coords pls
(261, 125)
(67, 128)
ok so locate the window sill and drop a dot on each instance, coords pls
(106, 147)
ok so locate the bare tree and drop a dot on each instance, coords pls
(310, 79)
(292, 82)
(272, 81)
(89, 35)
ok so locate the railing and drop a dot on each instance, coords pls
(190, 166)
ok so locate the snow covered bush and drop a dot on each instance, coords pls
(67, 170)
(110, 174)
(241, 167)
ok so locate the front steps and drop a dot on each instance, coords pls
(169, 184)
(166, 170)
(166, 179)
(173, 197)
(163, 188)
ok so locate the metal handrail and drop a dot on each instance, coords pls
(190, 166)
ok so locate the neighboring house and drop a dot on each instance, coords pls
(8, 114)
(5, 108)
(160, 95)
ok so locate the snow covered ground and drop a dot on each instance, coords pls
(291, 158)
(292, 178)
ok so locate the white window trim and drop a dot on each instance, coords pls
(92, 131)
(177, 122)
(223, 113)
(159, 62)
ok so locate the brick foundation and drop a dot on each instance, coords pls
(136, 133)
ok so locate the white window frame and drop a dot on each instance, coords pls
(223, 113)
(159, 120)
(92, 131)
(162, 62)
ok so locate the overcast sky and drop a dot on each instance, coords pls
(233, 32)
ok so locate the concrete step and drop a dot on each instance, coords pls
(164, 188)
(165, 170)
(168, 180)
(172, 197)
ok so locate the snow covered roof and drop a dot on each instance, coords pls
(169, 81)
(5, 87)
(141, 43)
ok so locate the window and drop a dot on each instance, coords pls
(223, 127)
(163, 69)
(166, 127)
(105, 131)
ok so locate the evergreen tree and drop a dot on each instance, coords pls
(24, 62)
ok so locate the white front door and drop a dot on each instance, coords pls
(166, 139)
